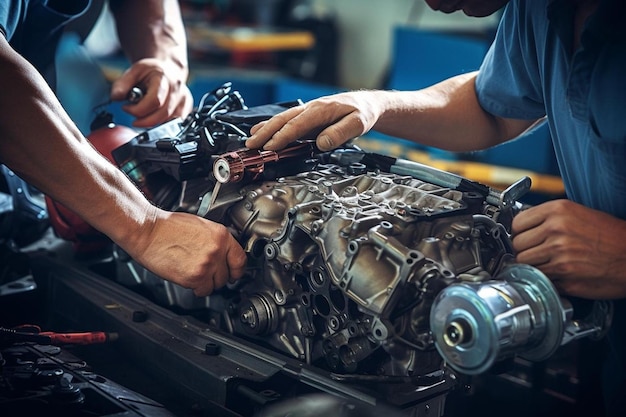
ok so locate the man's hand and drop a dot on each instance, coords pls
(583, 251)
(332, 120)
(166, 94)
(152, 35)
(189, 250)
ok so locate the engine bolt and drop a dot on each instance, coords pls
(247, 317)
(212, 349)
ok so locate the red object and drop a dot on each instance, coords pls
(86, 338)
(33, 333)
(66, 223)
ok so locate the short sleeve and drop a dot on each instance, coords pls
(9, 16)
(509, 81)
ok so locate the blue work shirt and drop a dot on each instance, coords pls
(33, 28)
(531, 71)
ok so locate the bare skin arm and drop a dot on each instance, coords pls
(41, 144)
(153, 37)
(446, 115)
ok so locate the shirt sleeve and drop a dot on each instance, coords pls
(6, 18)
(509, 82)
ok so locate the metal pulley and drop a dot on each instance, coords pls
(476, 324)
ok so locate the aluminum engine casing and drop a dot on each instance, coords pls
(345, 264)
(375, 268)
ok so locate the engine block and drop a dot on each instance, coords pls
(374, 268)
(350, 263)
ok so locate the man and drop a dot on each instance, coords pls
(41, 143)
(158, 55)
(562, 59)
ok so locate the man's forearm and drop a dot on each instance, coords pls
(446, 115)
(151, 29)
(62, 163)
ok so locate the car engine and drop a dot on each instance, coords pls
(374, 268)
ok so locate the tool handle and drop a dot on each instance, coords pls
(85, 338)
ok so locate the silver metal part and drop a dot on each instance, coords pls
(363, 269)
(447, 179)
(135, 95)
(514, 192)
(476, 324)
(221, 171)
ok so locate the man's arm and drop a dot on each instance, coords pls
(446, 115)
(42, 145)
(153, 37)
